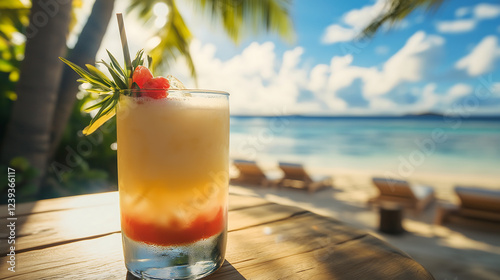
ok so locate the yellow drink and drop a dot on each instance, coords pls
(173, 174)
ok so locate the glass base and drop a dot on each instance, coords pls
(192, 261)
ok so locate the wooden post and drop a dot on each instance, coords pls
(391, 216)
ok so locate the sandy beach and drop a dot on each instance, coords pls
(453, 251)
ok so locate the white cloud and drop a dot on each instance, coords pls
(457, 91)
(409, 64)
(336, 33)
(262, 82)
(258, 81)
(318, 78)
(480, 12)
(352, 23)
(432, 100)
(360, 18)
(326, 80)
(343, 74)
(429, 98)
(456, 26)
(486, 11)
(463, 11)
(482, 58)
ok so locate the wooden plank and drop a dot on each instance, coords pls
(373, 259)
(80, 260)
(62, 203)
(267, 213)
(240, 201)
(43, 229)
(309, 246)
(304, 246)
(98, 258)
(57, 227)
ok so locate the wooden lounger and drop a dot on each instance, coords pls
(297, 177)
(475, 203)
(413, 196)
(251, 173)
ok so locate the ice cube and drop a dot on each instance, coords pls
(175, 83)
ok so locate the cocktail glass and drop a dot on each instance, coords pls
(173, 157)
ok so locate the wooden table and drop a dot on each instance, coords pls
(79, 238)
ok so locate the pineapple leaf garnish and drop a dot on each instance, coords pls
(116, 65)
(138, 59)
(98, 104)
(119, 81)
(108, 89)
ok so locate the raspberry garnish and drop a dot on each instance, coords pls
(156, 85)
(141, 75)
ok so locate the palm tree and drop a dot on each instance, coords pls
(28, 132)
(46, 91)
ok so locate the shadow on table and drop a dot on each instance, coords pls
(227, 271)
(432, 251)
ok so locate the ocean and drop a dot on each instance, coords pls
(396, 146)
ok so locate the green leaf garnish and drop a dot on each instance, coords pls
(119, 81)
(98, 104)
(104, 86)
(138, 59)
(115, 64)
(98, 74)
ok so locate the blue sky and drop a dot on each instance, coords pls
(446, 61)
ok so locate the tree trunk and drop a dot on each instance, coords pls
(83, 53)
(28, 131)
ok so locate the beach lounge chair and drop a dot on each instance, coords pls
(475, 203)
(297, 177)
(413, 196)
(251, 173)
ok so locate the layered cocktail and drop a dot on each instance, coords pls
(173, 178)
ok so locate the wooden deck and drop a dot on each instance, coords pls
(79, 238)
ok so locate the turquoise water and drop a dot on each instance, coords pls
(399, 145)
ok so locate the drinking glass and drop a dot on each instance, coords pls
(173, 157)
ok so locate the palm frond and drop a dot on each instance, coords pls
(240, 18)
(14, 17)
(397, 11)
(176, 37)
(145, 7)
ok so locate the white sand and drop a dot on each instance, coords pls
(454, 251)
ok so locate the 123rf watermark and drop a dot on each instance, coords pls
(11, 219)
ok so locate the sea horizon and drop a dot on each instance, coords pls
(397, 145)
(381, 116)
